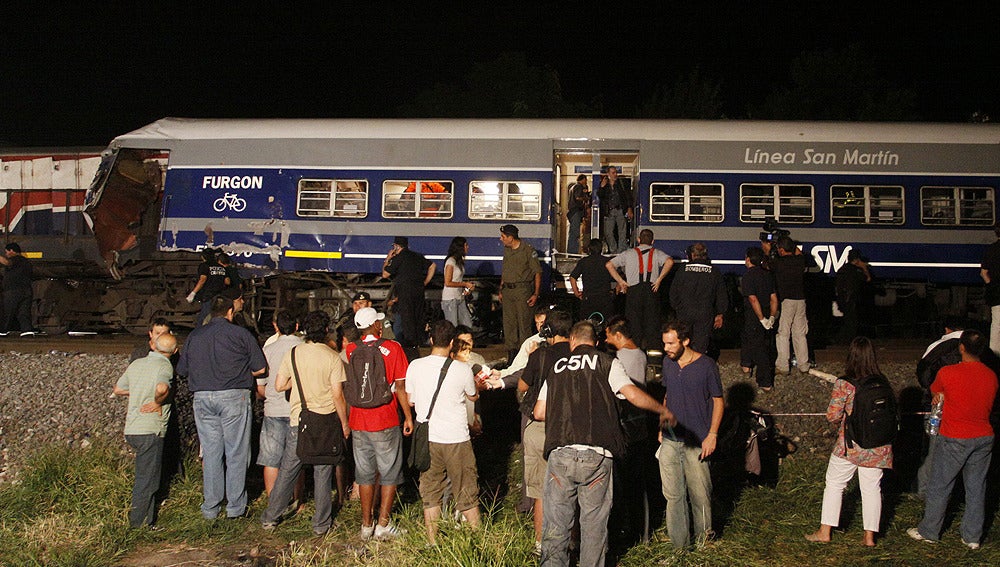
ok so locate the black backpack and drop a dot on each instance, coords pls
(366, 385)
(875, 419)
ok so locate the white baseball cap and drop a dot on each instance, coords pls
(366, 317)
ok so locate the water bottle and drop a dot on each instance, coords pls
(934, 419)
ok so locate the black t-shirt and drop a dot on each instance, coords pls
(596, 278)
(17, 275)
(408, 270)
(788, 276)
(757, 282)
(215, 283)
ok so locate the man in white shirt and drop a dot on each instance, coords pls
(452, 461)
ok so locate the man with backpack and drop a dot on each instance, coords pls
(375, 390)
(965, 443)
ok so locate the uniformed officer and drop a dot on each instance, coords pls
(644, 267)
(520, 286)
(698, 296)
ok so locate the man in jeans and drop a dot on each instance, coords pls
(965, 443)
(146, 382)
(220, 360)
(694, 395)
(320, 373)
(582, 438)
(274, 428)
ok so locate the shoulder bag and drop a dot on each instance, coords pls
(321, 437)
(420, 451)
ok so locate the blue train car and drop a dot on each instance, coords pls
(328, 196)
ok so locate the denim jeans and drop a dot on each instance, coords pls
(457, 312)
(223, 419)
(685, 477)
(971, 458)
(148, 460)
(924, 472)
(576, 476)
(614, 221)
(284, 486)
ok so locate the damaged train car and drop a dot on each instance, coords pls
(308, 208)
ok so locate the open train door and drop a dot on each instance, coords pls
(590, 158)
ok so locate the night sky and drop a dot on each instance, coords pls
(82, 75)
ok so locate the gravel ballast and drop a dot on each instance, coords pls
(64, 399)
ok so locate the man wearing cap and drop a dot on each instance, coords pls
(520, 286)
(378, 441)
(16, 290)
(644, 267)
(220, 360)
(361, 300)
(410, 273)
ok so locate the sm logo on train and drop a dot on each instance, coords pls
(827, 259)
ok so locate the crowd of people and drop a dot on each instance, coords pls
(578, 379)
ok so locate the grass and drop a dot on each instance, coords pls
(70, 508)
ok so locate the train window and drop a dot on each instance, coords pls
(866, 204)
(693, 202)
(332, 198)
(783, 203)
(402, 199)
(969, 206)
(505, 200)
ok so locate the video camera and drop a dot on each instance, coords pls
(771, 232)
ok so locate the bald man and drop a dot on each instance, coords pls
(146, 383)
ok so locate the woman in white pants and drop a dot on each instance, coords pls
(846, 459)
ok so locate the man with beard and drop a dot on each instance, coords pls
(694, 395)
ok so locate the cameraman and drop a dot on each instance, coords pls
(789, 267)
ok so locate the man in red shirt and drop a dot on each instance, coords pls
(965, 443)
(378, 441)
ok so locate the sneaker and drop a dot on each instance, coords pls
(28, 334)
(915, 534)
(367, 532)
(269, 526)
(388, 531)
(3, 333)
(971, 545)
(537, 551)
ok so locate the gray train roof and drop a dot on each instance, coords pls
(666, 144)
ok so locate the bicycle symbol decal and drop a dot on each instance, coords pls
(230, 201)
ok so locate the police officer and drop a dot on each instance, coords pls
(520, 286)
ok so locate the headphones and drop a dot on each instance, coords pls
(546, 331)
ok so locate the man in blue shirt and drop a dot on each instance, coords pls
(220, 360)
(694, 395)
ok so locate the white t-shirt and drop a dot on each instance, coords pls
(456, 276)
(449, 423)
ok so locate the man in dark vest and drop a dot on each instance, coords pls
(582, 437)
